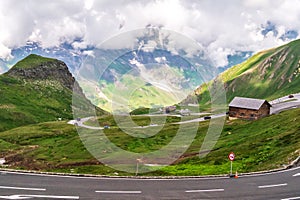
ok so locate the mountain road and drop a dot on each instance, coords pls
(281, 185)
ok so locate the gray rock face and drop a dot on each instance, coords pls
(55, 70)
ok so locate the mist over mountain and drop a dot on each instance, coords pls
(158, 68)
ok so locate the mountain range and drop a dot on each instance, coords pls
(38, 89)
(181, 71)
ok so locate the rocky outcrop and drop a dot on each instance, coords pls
(48, 75)
(53, 70)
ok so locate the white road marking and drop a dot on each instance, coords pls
(297, 174)
(210, 190)
(14, 197)
(147, 179)
(22, 188)
(29, 196)
(270, 186)
(112, 178)
(119, 192)
(271, 173)
(292, 198)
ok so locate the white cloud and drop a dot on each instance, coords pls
(219, 55)
(89, 53)
(257, 3)
(221, 27)
(160, 60)
(5, 52)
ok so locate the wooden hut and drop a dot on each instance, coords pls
(249, 108)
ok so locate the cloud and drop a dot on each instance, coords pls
(221, 27)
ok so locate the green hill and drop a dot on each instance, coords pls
(33, 61)
(37, 89)
(268, 75)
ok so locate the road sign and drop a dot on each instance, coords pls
(231, 156)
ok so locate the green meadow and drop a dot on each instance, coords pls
(268, 143)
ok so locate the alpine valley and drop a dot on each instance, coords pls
(37, 100)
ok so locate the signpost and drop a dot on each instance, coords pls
(231, 157)
(137, 166)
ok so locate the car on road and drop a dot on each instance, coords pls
(207, 117)
(106, 127)
(291, 96)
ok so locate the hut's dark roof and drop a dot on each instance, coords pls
(249, 103)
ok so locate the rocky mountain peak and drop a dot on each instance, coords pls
(35, 67)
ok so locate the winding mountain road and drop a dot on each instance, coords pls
(281, 185)
(285, 103)
(278, 105)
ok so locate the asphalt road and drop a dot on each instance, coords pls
(285, 103)
(81, 123)
(279, 185)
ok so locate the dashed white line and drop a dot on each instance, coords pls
(297, 174)
(291, 198)
(209, 190)
(118, 192)
(22, 188)
(29, 196)
(270, 173)
(270, 186)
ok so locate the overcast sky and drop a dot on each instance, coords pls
(223, 27)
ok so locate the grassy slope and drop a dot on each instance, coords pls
(259, 145)
(27, 101)
(43, 146)
(32, 102)
(265, 144)
(267, 75)
(138, 94)
(32, 61)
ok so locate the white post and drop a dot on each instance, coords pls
(137, 168)
(230, 167)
